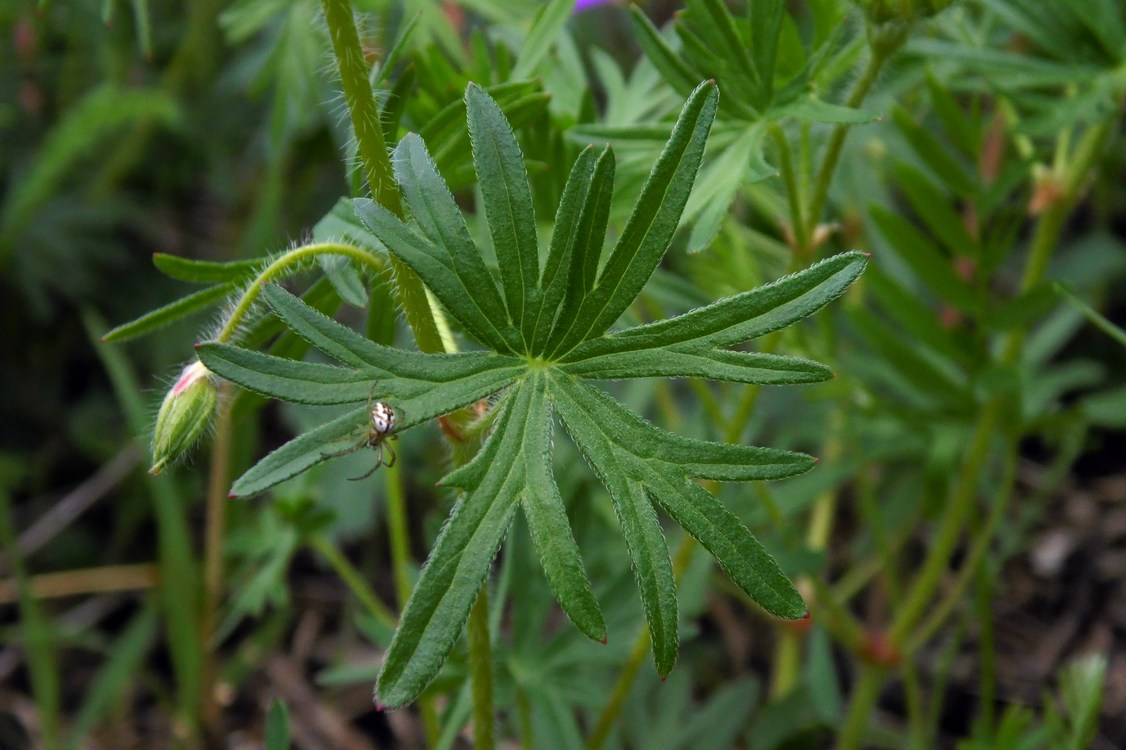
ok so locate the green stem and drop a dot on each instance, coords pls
(372, 150)
(983, 604)
(921, 591)
(916, 708)
(743, 409)
(982, 540)
(621, 691)
(835, 617)
(352, 579)
(1044, 240)
(873, 519)
(481, 672)
(836, 140)
(398, 533)
(353, 69)
(786, 664)
(524, 718)
(865, 693)
(793, 192)
(286, 263)
(429, 329)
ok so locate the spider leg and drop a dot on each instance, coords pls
(347, 451)
(385, 446)
(368, 473)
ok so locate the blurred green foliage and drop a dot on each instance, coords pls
(974, 152)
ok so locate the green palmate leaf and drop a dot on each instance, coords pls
(547, 332)
(639, 522)
(345, 279)
(300, 454)
(621, 134)
(701, 42)
(551, 531)
(398, 48)
(444, 130)
(937, 211)
(917, 318)
(105, 112)
(926, 370)
(424, 385)
(586, 248)
(341, 223)
(421, 386)
(287, 379)
(742, 162)
(391, 115)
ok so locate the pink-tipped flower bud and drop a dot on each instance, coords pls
(184, 415)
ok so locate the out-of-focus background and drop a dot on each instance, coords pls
(215, 130)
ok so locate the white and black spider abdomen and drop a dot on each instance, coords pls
(382, 418)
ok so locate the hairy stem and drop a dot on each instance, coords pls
(398, 533)
(287, 263)
(376, 162)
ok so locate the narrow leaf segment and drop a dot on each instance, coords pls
(547, 333)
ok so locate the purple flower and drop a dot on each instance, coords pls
(581, 5)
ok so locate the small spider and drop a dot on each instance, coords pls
(382, 428)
